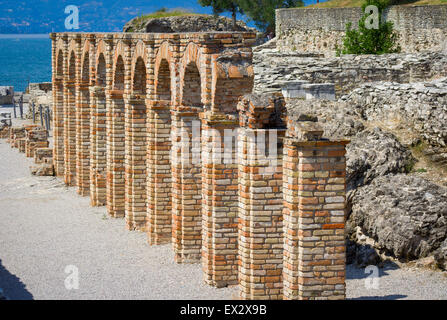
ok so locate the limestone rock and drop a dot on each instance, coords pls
(441, 256)
(375, 153)
(185, 23)
(405, 215)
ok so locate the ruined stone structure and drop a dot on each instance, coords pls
(419, 28)
(152, 126)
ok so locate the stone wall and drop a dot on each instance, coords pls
(147, 125)
(322, 29)
(274, 69)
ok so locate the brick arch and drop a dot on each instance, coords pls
(139, 68)
(119, 66)
(72, 57)
(100, 57)
(71, 66)
(165, 71)
(60, 63)
(85, 61)
(60, 58)
(190, 64)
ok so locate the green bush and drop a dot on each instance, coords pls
(370, 41)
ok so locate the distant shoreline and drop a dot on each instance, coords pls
(24, 36)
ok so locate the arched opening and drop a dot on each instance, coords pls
(139, 79)
(187, 171)
(192, 91)
(135, 165)
(159, 185)
(101, 71)
(98, 156)
(163, 90)
(116, 144)
(70, 123)
(118, 83)
(58, 116)
(83, 129)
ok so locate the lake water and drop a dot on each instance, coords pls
(24, 58)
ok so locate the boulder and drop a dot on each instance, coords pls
(374, 153)
(441, 256)
(404, 214)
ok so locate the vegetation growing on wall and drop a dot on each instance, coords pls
(369, 39)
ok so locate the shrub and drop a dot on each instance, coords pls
(370, 40)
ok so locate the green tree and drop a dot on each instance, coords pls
(262, 12)
(367, 40)
(220, 6)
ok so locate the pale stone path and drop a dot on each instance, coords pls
(45, 227)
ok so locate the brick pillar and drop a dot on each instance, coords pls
(70, 133)
(220, 202)
(186, 188)
(260, 214)
(115, 154)
(83, 138)
(159, 179)
(136, 133)
(98, 139)
(314, 219)
(58, 115)
(69, 120)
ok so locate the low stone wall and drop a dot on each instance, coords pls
(274, 69)
(322, 29)
(6, 95)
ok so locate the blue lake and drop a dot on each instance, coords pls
(24, 58)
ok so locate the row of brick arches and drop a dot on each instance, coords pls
(138, 121)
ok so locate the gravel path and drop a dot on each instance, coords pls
(45, 227)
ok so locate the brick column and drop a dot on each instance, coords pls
(136, 133)
(98, 139)
(159, 179)
(260, 214)
(220, 201)
(186, 188)
(83, 138)
(70, 117)
(115, 154)
(314, 218)
(58, 113)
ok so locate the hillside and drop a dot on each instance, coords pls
(358, 3)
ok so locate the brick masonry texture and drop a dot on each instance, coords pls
(150, 125)
(322, 29)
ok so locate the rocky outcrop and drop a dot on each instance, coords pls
(371, 153)
(405, 215)
(184, 23)
(375, 153)
(419, 109)
(273, 68)
(441, 256)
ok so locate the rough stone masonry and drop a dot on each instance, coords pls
(131, 114)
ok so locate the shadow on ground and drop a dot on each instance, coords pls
(12, 287)
(355, 272)
(388, 297)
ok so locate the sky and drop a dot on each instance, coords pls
(43, 16)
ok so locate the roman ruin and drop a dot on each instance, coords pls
(163, 130)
